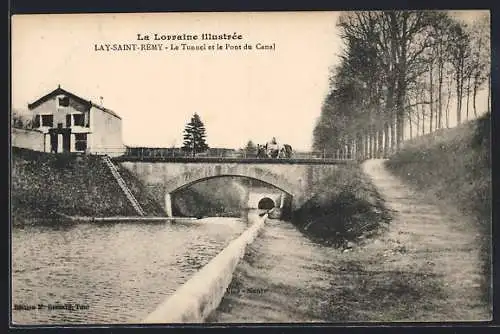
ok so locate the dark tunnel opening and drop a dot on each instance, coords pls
(266, 204)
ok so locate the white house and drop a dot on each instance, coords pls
(70, 123)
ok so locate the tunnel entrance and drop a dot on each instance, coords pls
(266, 204)
(216, 197)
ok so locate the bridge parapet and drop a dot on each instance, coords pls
(241, 160)
(164, 153)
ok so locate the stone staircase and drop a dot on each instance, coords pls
(123, 186)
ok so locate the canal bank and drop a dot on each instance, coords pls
(278, 279)
(423, 266)
(202, 293)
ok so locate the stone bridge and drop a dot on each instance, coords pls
(294, 178)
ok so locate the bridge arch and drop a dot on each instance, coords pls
(173, 190)
(197, 175)
(200, 174)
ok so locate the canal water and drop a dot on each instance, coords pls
(109, 273)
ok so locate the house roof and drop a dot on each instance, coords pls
(82, 100)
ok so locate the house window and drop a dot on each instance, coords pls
(47, 120)
(80, 141)
(63, 101)
(79, 119)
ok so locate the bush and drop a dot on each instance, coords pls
(344, 207)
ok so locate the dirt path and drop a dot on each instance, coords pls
(277, 281)
(424, 266)
(436, 240)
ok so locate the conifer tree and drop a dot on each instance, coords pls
(194, 136)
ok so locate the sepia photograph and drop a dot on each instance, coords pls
(328, 167)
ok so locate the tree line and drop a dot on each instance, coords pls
(21, 119)
(402, 71)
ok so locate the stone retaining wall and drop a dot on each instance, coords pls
(201, 295)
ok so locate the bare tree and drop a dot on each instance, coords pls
(398, 68)
(459, 53)
(480, 57)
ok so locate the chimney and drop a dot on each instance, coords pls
(100, 100)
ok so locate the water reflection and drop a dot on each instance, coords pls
(121, 272)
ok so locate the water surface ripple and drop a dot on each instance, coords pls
(108, 273)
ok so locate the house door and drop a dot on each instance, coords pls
(66, 142)
(53, 142)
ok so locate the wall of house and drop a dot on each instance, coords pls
(106, 136)
(104, 133)
(29, 139)
(50, 107)
(47, 107)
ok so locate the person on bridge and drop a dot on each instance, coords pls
(261, 151)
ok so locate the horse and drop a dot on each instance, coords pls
(286, 151)
(272, 148)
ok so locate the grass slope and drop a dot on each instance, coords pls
(454, 165)
(345, 207)
(143, 195)
(44, 184)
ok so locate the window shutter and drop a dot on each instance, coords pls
(68, 120)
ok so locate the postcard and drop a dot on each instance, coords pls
(251, 167)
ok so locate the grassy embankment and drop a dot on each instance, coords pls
(142, 193)
(345, 208)
(43, 185)
(454, 166)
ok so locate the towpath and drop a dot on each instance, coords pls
(423, 266)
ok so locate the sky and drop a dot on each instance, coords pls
(240, 95)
